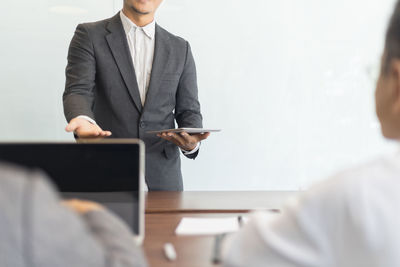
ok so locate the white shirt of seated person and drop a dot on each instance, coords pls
(349, 220)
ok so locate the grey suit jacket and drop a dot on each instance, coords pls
(36, 231)
(101, 83)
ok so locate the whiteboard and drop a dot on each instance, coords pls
(299, 74)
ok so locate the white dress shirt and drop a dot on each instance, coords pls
(141, 41)
(351, 220)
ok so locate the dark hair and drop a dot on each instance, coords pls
(392, 44)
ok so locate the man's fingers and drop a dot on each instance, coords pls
(195, 138)
(72, 126)
(183, 139)
(178, 138)
(203, 136)
(172, 138)
(85, 134)
(88, 132)
(104, 133)
(169, 138)
(187, 137)
(164, 136)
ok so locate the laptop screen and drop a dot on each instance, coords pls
(108, 173)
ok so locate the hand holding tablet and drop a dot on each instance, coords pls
(186, 138)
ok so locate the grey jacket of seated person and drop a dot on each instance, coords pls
(101, 83)
(36, 231)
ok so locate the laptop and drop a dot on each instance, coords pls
(108, 171)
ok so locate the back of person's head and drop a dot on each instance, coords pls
(387, 93)
(392, 44)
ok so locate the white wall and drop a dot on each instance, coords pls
(290, 82)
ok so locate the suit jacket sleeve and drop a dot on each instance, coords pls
(59, 237)
(80, 74)
(187, 109)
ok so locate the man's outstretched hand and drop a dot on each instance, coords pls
(184, 140)
(85, 129)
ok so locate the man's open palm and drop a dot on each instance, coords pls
(85, 129)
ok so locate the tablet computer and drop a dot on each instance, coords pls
(187, 130)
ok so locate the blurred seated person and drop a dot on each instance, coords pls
(36, 229)
(351, 220)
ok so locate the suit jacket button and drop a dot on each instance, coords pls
(142, 124)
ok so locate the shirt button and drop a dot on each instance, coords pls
(142, 124)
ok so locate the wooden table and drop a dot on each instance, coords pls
(164, 210)
(192, 251)
(214, 201)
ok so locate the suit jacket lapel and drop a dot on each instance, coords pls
(120, 50)
(162, 51)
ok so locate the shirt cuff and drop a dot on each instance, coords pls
(92, 121)
(192, 151)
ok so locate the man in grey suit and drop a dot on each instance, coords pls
(128, 75)
(36, 230)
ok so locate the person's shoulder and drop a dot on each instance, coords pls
(12, 176)
(15, 185)
(177, 40)
(96, 25)
(365, 173)
(354, 184)
(15, 178)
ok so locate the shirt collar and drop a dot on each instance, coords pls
(149, 29)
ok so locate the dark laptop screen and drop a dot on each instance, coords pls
(80, 167)
(104, 172)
